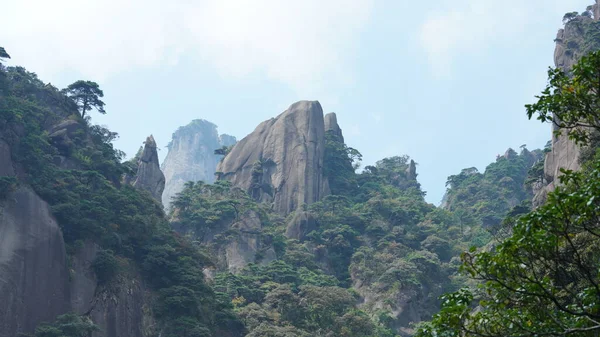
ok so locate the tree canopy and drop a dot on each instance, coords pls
(571, 101)
(542, 280)
(86, 94)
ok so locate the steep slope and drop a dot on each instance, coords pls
(484, 199)
(191, 156)
(580, 36)
(373, 232)
(74, 239)
(148, 176)
(281, 162)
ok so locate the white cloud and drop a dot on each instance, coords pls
(465, 26)
(300, 43)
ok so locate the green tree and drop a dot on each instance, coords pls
(543, 279)
(67, 325)
(3, 54)
(223, 150)
(86, 95)
(571, 101)
(569, 17)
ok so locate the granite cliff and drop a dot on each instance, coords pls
(191, 156)
(39, 280)
(579, 36)
(80, 250)
(148, 176)
(281, 161)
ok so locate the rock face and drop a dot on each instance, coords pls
(300, 225)
(331, 125)
(149, 177)
(242, 250)
(411, 171)
(191, 156)
(281, 162)
(34, 279)
(120, 311)
(572, 42)
(36, 282)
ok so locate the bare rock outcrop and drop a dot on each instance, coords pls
(411, 171)
(191, 156)
(37, 280)
(242, 250)
(571, 43)
(34, 278)
(331, 125)
(149, 177)
(121, 310)
(281, 162)
(235, 243)
(300, 225)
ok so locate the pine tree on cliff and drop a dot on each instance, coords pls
(86, 94)
(3, 54)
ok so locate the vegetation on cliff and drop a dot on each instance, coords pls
(73, 166)
(542, 280)
(376, 253)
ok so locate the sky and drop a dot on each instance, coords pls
(443, 81)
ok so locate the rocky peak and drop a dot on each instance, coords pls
(149, 177)
(331, 125)
(411, 170)
(281, 161)
(191, 156)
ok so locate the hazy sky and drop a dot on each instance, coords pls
(442, 81)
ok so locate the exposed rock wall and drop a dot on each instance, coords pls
(572, 42)
(281, 162)
(119, 310)
(34, 279)
(331, 125)
(37, 284)
(191, 156)
(149, 177)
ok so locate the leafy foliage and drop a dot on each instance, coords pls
(375, 232)
(542, 279)
(571, 102)
(67, 325)
(484, 199)
(86, 95)
(106, 266)
(80, 177)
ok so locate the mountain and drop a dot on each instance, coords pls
(279, 234)
(289, 213)
(580, 35)
(281, 162)
(81, 252)
(191, 156)
(484, 199)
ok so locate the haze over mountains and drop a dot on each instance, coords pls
(278, 233)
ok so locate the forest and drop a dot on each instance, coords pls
(511, 251)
